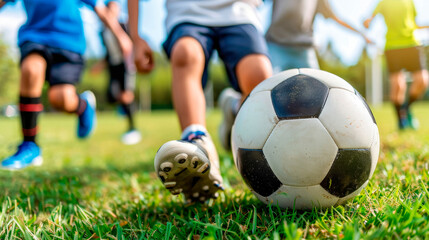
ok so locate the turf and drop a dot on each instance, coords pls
(101, 189)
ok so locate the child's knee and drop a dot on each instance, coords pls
(63, 97)
(187, 51)
(33, 67)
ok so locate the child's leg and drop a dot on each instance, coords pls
(398, 88)
(126, 99)
(63, 97)
(419, 85)
(187, 61)
(190, 165)
(251, 70)
(33, 68)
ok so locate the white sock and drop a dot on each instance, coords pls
(192, 129)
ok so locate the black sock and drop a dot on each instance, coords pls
(129, 113)
(30, 109)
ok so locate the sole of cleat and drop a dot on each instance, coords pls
(184, 168)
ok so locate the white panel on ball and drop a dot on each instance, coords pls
(375, 150)
(254, 122)
(273, 81)
(331, 80)
(300, 152)
(300, 197)
(347, 120)
(343, 200)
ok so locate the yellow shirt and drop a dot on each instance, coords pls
(399, 16)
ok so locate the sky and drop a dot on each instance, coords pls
(346, 44)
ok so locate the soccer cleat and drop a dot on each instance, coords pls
(28, 153)
(131, 137)
(87, 120)
(413, 122)
(228, 99)
(403, 123)
(190, 167)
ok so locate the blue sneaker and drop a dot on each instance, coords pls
(28, 154)
(87, 120)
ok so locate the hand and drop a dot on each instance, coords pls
(143, 56)
(367, 22)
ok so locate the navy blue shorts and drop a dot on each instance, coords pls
(63, 67)
(232, 44)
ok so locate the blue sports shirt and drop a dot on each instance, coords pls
(55, 23)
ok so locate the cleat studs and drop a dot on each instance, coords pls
(167, 166)
(195, 194)
(162, 176)
(176, 191)
(181, 158)
(216, 195)
(203, 168)
(169, 184)
(206, 188)
(202, 199)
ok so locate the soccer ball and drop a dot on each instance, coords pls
(305, 138)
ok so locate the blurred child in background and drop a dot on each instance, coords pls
(122, 75)
(290, 35)
(52, 42)
(403, 52)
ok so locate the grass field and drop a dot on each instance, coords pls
(101, 189)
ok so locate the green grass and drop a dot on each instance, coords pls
(101, 189)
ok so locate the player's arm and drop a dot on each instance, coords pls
(143, 56)
(346, 25)
(112, 23)
(368, 21)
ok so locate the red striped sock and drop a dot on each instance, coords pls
(30, 109)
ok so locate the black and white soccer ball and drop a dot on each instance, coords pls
(305, 138)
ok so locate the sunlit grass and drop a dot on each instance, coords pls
(100, 188)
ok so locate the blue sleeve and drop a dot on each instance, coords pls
(9, 1)
(93, 3)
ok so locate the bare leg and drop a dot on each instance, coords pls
(187, 61)
(251, 70)
(64, 98)
(33, 70)
(398, 88)
(419, 85)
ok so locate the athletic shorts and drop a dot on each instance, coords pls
(232, 44)
(121, 77)
(411, 59)
(63, 67)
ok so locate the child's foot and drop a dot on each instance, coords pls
(228, 99)
(403, 123)
(131, 137)
(87, 119)
(28, 154)
(190, 167)
(413, 122)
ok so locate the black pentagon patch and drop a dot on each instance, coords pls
(300, 96)
(256, 172)
(366, 105)
(349, 171)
